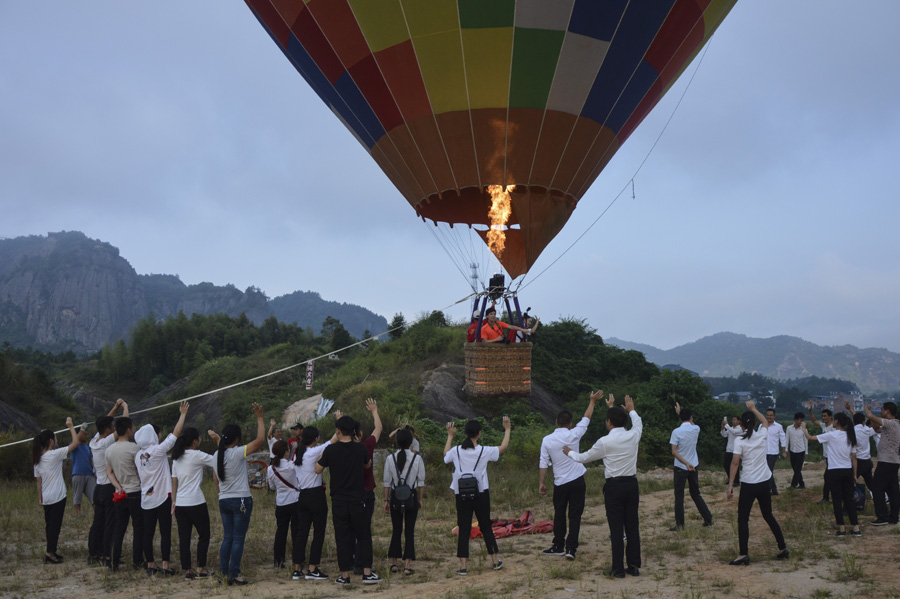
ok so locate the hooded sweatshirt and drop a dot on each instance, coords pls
(153, 466)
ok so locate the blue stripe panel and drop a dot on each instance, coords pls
(307, 68)
(638, 28)
(638, 87)
(360, 106)
(597, 18)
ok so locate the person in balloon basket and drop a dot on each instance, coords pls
(471, 332)
(494, 331)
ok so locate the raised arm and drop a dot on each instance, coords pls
(451, 432)
(877, 422)
(116, 406)
(849, 408)
(256, 443)
(807, 435)
(507, 425)
(271, 428)
(124, 408)
(595, 397)
(751, 405)
(75, 442)
(811, 415)
(372, 406)
(182, 416)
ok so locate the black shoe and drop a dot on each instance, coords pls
(613, 574)
(462, 572)
(840, 534)
(856, 533)
(740, 561)
(676, 528)
(775, 492)
(342, 581)
(554, 551)
(237, 582)
(632, 571)
(371, 578)
(55, 559)
(316, 575)
(296, 575)
(498, 565)
(783, 554)
(879, 522)
(823, 501)
(707, 523)
(570, 554)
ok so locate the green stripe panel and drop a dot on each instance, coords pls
(441, 62)
(477, 14)
(535, 54)
(488, 53)
(433, 16)
(381, 22)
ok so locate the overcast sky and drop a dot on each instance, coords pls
(178, 132)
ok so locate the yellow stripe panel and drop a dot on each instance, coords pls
(381, 21)
(434, 16)
(714, 14)
(488, 55)
(440, 59)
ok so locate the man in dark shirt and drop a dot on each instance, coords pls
(346, 461)
(369, 442)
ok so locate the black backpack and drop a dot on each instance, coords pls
(403, 497)
(467, 484)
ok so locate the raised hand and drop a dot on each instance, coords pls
(677, 408)
(371, 405)
(610, 401)
(751, 404)
(183, 408)
(629, 404)
(271, 422)
(451, 429)
(506, 423)
(596, 396)
(257, 409)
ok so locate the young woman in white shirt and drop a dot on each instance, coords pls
(282, 477)
(751, 449)
(188, 502)
(312, 506)
(470, 458)
(840, 476)
(47, 459)
(406, 465)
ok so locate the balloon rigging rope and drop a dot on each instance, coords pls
(630, 182)
(260, 377)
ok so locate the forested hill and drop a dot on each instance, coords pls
(781, 358)
(65, 291)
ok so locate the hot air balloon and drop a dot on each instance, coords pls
(491, 115)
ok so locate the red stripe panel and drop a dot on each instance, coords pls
(682, 18)
(288, 9)
(368, 79)
(401, 72)
(272, 20)
(315, 43)
(339, 24)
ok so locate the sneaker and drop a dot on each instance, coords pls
(237, 582)
(372, 578)
(707, 523)
(840, 533)
(316, 575)
(462, 572)
(570, 555)
(879, 522)
(342, 581)
(295, 575)
(613, 574)
(632, 571)
(498, 565)
(856, 533)
(823, 501)
(554, 551)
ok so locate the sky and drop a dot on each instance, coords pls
(179, 133)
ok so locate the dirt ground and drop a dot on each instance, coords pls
(689, 564)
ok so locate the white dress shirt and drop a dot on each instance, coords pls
(618, 449)
(684, 438)
(775, 436)
(731, 433)
(864, 435)
(284, 494)
(796, 440)
(839, 449)
(565, 469)
(466, 460)
(98, 451)
(49, 470)
(826, 429)
(306, 471)
(754, 468)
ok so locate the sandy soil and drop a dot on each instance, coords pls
(690, 564)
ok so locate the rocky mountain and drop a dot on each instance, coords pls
(66, 291)
(782, 357)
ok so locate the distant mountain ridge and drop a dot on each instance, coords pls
(66, 291)
(782, 357)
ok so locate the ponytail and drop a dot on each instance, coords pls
(747, 420)
(278, 449)
(404, 441)
(230, 433)
(185, 440)
(40, 443)
(847, 425)
(473, 429)
(307, 437)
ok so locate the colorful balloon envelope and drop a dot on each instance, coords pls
(451, 97)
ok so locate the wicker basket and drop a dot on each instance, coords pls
(498, 370)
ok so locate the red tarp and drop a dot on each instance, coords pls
(523, 525)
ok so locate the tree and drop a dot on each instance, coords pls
(397, 326)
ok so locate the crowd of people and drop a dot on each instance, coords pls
(127, 477)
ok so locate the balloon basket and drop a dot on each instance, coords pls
(498, 370)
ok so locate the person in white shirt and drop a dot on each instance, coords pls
(751, 450)
(864, 435)
(272, 435)
(827, 425)
(568, 478)
(408, 466)
(101, 534)
(188, 502)
(684, 449)
(730, 433)
(619, 450)
(312, 505)
(47, 459)
(797, 446)
(282, 477)
(841, 472)
(775, 437)
(152, 464)
(471, 459)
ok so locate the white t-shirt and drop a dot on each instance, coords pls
(152, 465)
(864, 435)
(413, 470)
(237, 482)
(565, 469)
(284, 495)
(98, 449)
(465, 460)
(306, 471)
(826, 429)
(839, 449)
(272, 441)
(49, 469)
(753, 455)
(188, 469)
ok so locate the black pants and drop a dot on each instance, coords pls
(864, 469)
(481, 508)
(885, 481)
(403, 524)
(841, 483)
(693, 481)
(287, 516)
(130, 508)
(568, 497)
(351, 533)
(825, 489)
(797, 458)
(358, 562)
(759, 492)
(622, 498)
(163, 514)
(312, 510)
(188, 518)
(104, 524)
(53, 518)
(770, 460)
(726, 463)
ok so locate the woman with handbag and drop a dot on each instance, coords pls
(283, 478)
(404, 484)
(470, 484)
